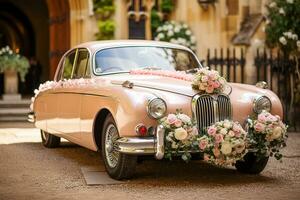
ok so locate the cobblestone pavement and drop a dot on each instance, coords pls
(30, 171)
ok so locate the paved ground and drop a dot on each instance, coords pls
(30, 171)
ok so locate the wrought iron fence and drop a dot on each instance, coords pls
(271, 66)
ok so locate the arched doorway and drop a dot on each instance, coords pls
(38, 29)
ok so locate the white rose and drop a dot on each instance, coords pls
(290, 1)
(223, 131)
(174, 145)
(277, 132)
(185, 26)
(227, 124)
(298, 43)
(295, 37)
(226, 148)
(180, 134)
(160, 35)
(165, 28)
(282, 40)
(186, 119)
(159, 29)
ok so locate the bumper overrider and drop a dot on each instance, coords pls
(144, 146)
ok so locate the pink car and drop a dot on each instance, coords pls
(97, 102)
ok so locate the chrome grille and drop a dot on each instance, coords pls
(208, 109)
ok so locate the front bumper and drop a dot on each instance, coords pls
(144, 146)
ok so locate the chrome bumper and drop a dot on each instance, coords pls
(31, 117)
(144, 146)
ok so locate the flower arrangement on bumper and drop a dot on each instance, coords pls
(224, 143)
(180, 135)
(267, 135)
(208, 81)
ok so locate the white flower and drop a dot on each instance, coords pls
(159, 29)
(165, 27)
(282, 40)
(223, 131)
(160, 36)
(180, 134)
(298, 43)
(290, 1)
(10, 52)
(277, 132)
(176, 29)
(184, 118)
(227, 124)
(170, 33)
(281, 11)
(174, 145)
(288, 34)
(272, 5)
(188, 32)
(170, 27)
(295, 37)
(173, 41)
(226, 148)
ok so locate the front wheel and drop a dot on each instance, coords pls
(251, 164)
(49, 140)
(118, 165)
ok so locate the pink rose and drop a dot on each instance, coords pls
(209, 89)
(259, 127)
(216, 152)
(216, 84)
(218, 138)
(202, 144)
(231, 133)
(206, 157)
(237, 133)
(211, 130)
(178, 123)
(171, 119)
(272, 118)
(261, 117)
(204, 78)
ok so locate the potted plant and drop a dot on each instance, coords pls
(11, 64)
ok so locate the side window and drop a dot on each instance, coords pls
(81, 64)
(68, 65)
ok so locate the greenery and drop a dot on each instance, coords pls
(283, 31)
(13, 61)
(157, 19)
(283, 28)
(104, 10)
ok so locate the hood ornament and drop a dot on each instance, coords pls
(127, 84)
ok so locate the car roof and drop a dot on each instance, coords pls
(103, 44)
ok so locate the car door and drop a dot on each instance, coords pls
(70, 98)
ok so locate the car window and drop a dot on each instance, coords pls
(81, 64)
(126, 58)
(68, 65)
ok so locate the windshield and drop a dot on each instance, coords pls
(122, 59)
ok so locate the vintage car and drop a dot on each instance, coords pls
(95, 102)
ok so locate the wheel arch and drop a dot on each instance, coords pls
(98, 126)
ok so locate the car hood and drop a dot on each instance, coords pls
(181, 87)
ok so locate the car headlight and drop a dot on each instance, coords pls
(262, 103)
(157, 108)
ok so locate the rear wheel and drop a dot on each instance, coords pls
(49, 140)
(118, 165)
(251, 164)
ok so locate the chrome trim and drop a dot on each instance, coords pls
(208, 109)
(136, 145)
(160, 147)
(258, 99)
(149, 102)
(31, 117)
(262, 84)
(144, 146)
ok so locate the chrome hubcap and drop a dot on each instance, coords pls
(112, 155)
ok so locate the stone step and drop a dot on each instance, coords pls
(14, 111)
(13, 118)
